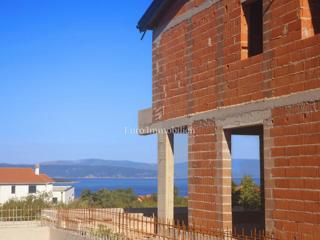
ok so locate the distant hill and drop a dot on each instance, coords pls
(128, 169)
(90, 168)
(100, 162)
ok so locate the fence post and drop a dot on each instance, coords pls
(129, 226)
(119, 222)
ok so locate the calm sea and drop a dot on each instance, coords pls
(139, 186)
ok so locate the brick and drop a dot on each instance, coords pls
(201, 64)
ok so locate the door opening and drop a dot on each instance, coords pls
(248, 210)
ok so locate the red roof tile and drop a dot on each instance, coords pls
(22, 176)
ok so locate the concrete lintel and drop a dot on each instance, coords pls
(245, 119)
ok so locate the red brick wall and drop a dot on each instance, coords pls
(296, 174)
(197, 64)
(188, 6)
(202, 190)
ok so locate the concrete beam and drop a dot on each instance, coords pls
(145, 121)
(165, 177)
(247, 109)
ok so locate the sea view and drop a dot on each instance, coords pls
(160, 119)
(139, 186)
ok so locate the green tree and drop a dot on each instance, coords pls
(178, 200)
(86, 198)
(121, 198)
(86, 194)
(176, 191)
(235, 194)
(249, 194)
(154, 197)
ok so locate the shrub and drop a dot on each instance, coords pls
(249, 197)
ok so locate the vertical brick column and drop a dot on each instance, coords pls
(296, 153)
(165, 177)
(202, 205)
(268, 180)
(223, 178)
(268, 50)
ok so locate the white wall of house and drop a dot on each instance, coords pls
(63, 194)
(69, 195)
(22, 191)
(57, 196)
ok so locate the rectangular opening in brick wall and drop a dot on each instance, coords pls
(247, 178)
(310, 18)
(251, 28)
(315, 15)
(181, 168)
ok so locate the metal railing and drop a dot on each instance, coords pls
(19, 216)
(116, 224)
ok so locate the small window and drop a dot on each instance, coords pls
(13, 189)
(252, 25)
(32, 188)
(54, 200)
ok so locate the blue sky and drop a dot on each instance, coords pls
(73, 75)
(245, 156)
(245, 147)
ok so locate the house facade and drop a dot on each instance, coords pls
(224, 67)
(63, 194)
(18, 183)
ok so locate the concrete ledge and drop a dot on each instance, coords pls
(145, 121)
(246, 110)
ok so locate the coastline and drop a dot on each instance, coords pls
(66, 178)
(141, 186)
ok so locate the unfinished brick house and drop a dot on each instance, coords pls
(222, 67)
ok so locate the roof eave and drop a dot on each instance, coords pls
(26, 183)
(150, 17)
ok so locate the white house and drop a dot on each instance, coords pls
(17, 183)
(64, 194)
